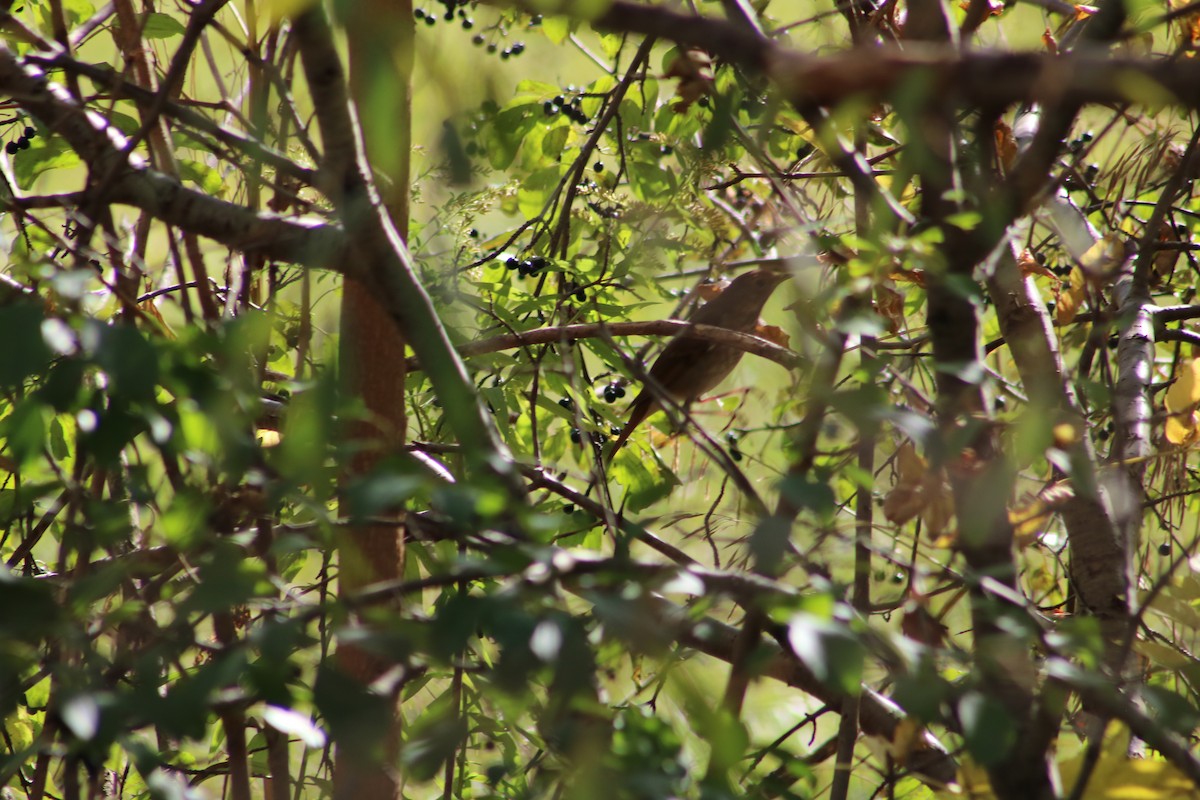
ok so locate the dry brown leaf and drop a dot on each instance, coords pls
(773, 334)
(1006, 144)
(150, 310)
(920, 625)
(693, 68)
(919, 491)
(1029, 519)
(1165, 259)
(939, 510)
(707, 291)
(914, 276)
(890, 305)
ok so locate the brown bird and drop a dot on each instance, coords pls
(687, 367)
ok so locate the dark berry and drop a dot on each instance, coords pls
(610, 396)
(560, 101)
(518, 48)
(568, 509)
(735, 454)
(430, 21)
(1164, 549)
(23, 143)
(504, 54)
(598, 166)
(536, 19)
(477, 39)
(566, 403)
(580, 295)
(448, 16)
(512, 263)
(620, 391)
(549, 108)
(491, 48)
(576, 438)
(30, 132)
(11, 148)
(467, 24)
(666, 150)
(537, 262)
(419, 13)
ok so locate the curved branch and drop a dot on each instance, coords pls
(746, 342)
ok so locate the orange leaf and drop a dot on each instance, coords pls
(1029, 265)
(1050, 42)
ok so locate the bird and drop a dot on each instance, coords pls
(689, 367)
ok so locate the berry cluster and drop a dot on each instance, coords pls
(572, 109)
(21, 142)
(451, 6)
(528, 267)
(1080, 142)
(595, 437)
(734, 452)
(613, 392)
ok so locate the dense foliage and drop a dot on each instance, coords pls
(935, 534)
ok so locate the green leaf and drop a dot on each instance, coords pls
(205, 177)
(295, 724)
(811, 494)
(557, 29)
(25, 352)
(507, 131)
(25, 431)
(44, 154)
(162, 26)
(358, 719)
(130, 361)
(988, 730)
(643, 488)
(830, 649)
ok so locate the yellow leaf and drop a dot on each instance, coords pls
(1118, 777)
(1103, 257)
(909, 464)
(266, 437)
(906, 739)
(1029, 520)
(1181, 429)
(1185, 391)
(1068, 302)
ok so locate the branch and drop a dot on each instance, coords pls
(307, 242)
(746, 342)
(973, 78)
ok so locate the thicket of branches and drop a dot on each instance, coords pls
(306, 486)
